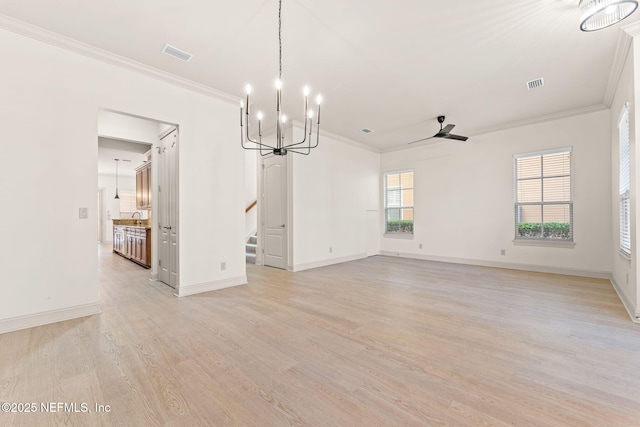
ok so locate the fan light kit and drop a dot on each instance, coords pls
(280, 148)
(444, 132)
(599, 14)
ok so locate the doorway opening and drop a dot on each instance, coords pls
(131, 159)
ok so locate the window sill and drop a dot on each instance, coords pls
(625, 256)
(405, 236)
(546, 243)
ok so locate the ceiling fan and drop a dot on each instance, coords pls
(444, 132)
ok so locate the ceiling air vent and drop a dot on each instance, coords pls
(534, 84)
(176, 53)
(366, 130)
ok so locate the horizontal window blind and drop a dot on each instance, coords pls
(543, 205)
(398, 199)
(624, 166)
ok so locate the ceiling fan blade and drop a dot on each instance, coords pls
(423, 139)
(456, 137)
(447, 129)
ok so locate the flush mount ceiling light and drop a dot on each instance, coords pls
(279, 148)
(599, 14)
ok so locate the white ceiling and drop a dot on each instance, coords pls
(131, 155)
(389, 66)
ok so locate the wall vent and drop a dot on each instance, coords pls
(176, 53)
(534, 84)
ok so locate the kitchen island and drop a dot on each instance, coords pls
(132, 240)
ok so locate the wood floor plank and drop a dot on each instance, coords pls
(380, 341)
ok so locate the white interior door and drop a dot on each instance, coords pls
(168, 209)
(275, 211)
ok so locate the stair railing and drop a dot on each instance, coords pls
(251, 206)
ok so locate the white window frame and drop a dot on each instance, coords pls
(127, 203)
(543, 241)
(624, 169)
(386, 207)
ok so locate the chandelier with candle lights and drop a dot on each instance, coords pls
(280, 148)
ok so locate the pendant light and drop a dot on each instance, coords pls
(599, 14)
(117, 162)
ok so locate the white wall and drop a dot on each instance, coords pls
(121, 126)
(464, 197)
(49, 113)
(624, 269)
(335, 193)
(634, 284)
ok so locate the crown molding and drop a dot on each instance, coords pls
(520, 123)
(340, 138)
(269, 131)
(623, 45)
(632, 29)
(54, 39)
(540, 119)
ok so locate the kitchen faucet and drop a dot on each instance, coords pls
(134, 214)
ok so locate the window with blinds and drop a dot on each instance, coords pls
(127, 204)
(543, 200)
(625, 204)
(398, 202)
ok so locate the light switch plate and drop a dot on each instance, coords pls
(83, 213)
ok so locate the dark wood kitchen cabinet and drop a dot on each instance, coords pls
(143, 186)
(118, 239)
(133, 243)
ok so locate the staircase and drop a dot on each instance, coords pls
(250, 249)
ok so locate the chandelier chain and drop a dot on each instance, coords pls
(280, 39)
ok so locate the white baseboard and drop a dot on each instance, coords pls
(199, 288)
(508, 265)
(47, 317)
(326, 262)
(634, 313)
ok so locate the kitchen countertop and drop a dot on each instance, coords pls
(132, 222)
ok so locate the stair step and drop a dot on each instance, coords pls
(251, 248)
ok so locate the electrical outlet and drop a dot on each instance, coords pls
(83, 213)
(503, 251)
(330, 249)
(223, 265)
(420, 246)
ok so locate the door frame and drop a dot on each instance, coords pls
(101, 215)
(155, 177)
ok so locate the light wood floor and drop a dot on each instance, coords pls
(381, 341)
